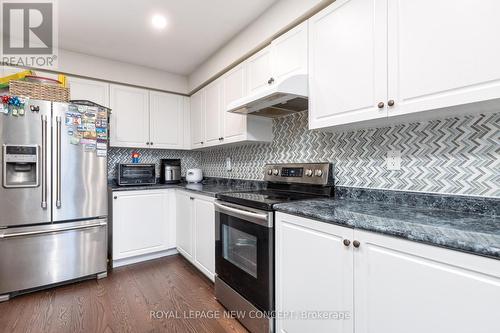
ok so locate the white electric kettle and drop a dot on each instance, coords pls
(194, 175)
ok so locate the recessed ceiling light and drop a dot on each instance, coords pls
(159, 21)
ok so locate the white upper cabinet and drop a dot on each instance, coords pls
(91, 90)
(197, 127)
(449, 59)
(286, 56)
(347, 63)
(130, 117)
(234, 87)
(213, 113)
(166, 120)
(259, 70)
(289, 53)
(372, 59)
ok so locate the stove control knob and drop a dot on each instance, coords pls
(309, 173)
(270, 172)
(276, 172)
(318, 173)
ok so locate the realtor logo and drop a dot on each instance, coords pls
(29, 33)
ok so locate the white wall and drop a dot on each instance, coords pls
(111, 70)
(73, 63)
(276, 18)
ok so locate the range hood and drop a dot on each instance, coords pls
(276, 100)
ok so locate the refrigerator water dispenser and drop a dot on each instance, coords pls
(20, 166)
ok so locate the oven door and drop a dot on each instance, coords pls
(244, 252)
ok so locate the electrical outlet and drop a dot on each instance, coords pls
(393, 160)
(228, 164)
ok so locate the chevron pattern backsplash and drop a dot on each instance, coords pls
(456, 156)
(190, 159)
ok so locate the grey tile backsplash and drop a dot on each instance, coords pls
(459, 155)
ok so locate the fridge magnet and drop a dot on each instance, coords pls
(101, 144)
(89, 147)
(101, 152)
(74, 140)
(85, 141)
(102, 133)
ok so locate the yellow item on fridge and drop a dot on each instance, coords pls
(63, 79)
(4, 81)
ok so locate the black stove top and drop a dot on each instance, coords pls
(286, 182)
(264, 199)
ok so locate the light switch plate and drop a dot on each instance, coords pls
(393, 160)
(228, 164)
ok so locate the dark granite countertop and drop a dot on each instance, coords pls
(458, 230)
(209, 187)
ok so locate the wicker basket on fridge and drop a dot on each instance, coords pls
(48, 92)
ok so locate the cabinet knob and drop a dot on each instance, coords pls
(220, 139)
(390, 102)
(347, 242)
(147, 143)
(270, 81)
(201, 142)
(115, 197)
(380, 105)
(151, 143)
(356, 244)
(191, 198)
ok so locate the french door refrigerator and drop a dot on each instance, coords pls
(53, 202)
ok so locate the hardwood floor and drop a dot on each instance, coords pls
(123, 302)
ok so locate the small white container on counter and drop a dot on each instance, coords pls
(194, 175)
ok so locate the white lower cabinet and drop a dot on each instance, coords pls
(204, 236)
(313, 274)
(388, 284)
(143, 225)
(184, 223)
(196, 230)
(404, 286)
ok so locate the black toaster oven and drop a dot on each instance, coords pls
(136, 174)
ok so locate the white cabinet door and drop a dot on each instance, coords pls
(445, 61)
(204, 230)
(140, 223)
(166, 120)
(130, 116)
(91, 90)
(314, 273)
(213, 113)
(259, 70)
(403, 286)
(234, 87)
(185, 228)
(197, 128)
(348, 63)
(289, 53)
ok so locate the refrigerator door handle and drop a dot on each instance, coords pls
(58, 162)
(41, 232)
(44, 162)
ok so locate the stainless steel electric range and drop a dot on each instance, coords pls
(244, 239)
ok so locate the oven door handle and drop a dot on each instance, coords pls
(242, 213)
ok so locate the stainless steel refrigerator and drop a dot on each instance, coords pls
(53, 201)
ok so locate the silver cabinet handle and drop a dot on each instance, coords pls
(44, 162)
(58, 162)
(41, 232)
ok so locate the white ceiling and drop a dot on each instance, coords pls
(122, 29)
